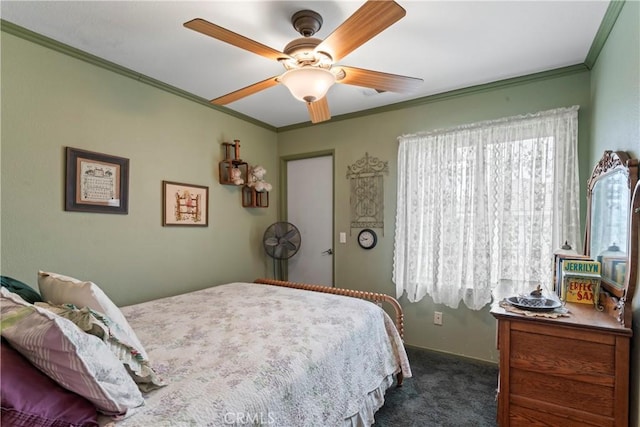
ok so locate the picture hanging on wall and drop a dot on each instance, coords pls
(185, 204)
(96, 182)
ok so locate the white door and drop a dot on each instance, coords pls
(310, 209)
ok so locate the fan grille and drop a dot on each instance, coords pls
(281, 240)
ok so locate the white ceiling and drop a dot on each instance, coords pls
(448, 44)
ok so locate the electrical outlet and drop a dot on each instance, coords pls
(437, 318)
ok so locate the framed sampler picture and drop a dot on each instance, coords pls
(96, 182)
(185, 204)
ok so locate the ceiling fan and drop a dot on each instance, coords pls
(310, 62)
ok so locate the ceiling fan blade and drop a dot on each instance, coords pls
(319, 110)
(246, 91)
(372, 18)
(378, 80)
(217, 32)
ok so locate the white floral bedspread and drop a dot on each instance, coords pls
(249, 354)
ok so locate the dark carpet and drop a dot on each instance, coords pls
(445, 390)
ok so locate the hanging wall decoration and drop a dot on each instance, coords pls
(367, 192)
(96, 182)
(185, 204)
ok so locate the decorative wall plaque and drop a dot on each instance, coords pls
(367, 192)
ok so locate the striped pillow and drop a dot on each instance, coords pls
(77, 361)
(58, 289)
(98, 324)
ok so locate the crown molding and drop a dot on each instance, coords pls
(608, 21)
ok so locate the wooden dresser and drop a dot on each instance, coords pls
(569, 371)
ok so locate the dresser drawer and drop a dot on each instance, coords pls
(524, 416)
(575, 359)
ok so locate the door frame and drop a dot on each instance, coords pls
(283, 205)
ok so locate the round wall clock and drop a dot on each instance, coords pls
(367, 238)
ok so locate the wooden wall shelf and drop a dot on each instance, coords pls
(224, 170)
(232, 161)
(254, 199)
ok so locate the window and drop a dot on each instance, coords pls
(485, 204)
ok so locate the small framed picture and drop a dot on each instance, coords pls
(96, 182)
(185, 204)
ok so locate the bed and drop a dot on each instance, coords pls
(267, 353)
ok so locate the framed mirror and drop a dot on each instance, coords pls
(609, 229)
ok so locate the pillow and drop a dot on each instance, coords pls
(77, 361)
(58, 289)
(30, 398)
(98, 324)
(17, 287)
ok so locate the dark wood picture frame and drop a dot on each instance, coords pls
(185, 204)
(96, 182)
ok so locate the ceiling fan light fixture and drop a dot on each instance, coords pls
(308, 84)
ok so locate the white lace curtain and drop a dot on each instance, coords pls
(485, 204)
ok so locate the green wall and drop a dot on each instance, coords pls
(51, 100)
(615, 88)
(466, 332)
(615, 96)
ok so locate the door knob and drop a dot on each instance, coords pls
(328, 251)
